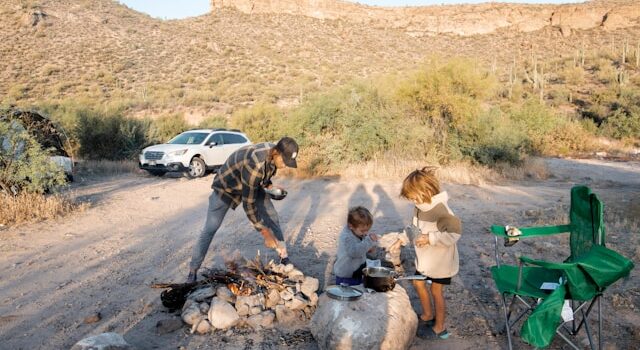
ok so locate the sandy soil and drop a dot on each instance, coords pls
(141, 229)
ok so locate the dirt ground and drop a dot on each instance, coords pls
(140, 230)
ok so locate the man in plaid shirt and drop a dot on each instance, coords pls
(243, 178)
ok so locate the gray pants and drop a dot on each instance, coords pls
(215, 214)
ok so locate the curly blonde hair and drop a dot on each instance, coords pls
(421, 185)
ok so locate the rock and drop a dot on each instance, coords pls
(309, 286)
(93, 318)
(272, 299)
(204, 308)
(191, 314)
(288, 268)
(242, 310)
(222, 315)
(225, 294)
(375, 321)
(296, 275)
(168, 325)
(202, 327)
(104, 341)
(313, 299)
(297, 303)
(262, 320)
(202, 294)
(247, 305)
(287, 317)
(286, 294)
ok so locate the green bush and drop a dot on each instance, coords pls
(24, 165)
(622, 124)
(166, 127)
(491, 138)
(110, 136)
(260, 122)
(212, 122)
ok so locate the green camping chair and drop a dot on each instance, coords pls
(581, 278)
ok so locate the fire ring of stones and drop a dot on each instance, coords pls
(256, 295)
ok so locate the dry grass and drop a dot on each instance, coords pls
(30, 207)
(531, 168)
(103, 168)
(393, 168)
(459, 173)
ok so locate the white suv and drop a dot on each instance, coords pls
(192, 152)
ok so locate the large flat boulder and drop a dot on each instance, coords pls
(383, 321)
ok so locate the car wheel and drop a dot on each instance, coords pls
(197, 168)
(157, 172)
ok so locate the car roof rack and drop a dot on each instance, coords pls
(219, 129)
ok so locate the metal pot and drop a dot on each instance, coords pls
(383, 279)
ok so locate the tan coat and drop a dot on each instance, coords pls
(438, 259)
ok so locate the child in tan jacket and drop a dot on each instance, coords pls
(434, 233)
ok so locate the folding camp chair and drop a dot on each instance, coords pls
(580, 279)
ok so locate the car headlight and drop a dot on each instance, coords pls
(178, 152)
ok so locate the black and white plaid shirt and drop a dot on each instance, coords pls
(242, 176)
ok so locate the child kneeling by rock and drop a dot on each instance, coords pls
(353, 244)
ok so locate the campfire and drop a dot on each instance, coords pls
(250, 293)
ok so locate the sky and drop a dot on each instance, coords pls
(174, 9)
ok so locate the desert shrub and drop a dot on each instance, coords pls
(622, 124)
(448, 97)
(212, 122)
(110, 136)
(24, 165)
(549, 133)
(260, 122)
(490, 138)
(166, 127)
(573, 75)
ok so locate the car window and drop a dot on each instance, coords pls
(189, 138)
(232, 138)
(217, 138)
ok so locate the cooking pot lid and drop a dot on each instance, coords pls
(343, 292)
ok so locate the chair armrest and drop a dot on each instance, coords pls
(532, 231)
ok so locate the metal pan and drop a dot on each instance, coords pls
(383, 279)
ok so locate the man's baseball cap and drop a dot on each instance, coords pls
(288, 148)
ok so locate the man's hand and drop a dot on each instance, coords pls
(422, 240)
(269, 239)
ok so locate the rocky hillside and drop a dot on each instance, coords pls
(456, 19)
(96, 51)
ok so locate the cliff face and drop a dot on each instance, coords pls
(455, 19)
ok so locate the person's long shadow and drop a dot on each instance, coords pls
(387, 216)
(360, 197)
